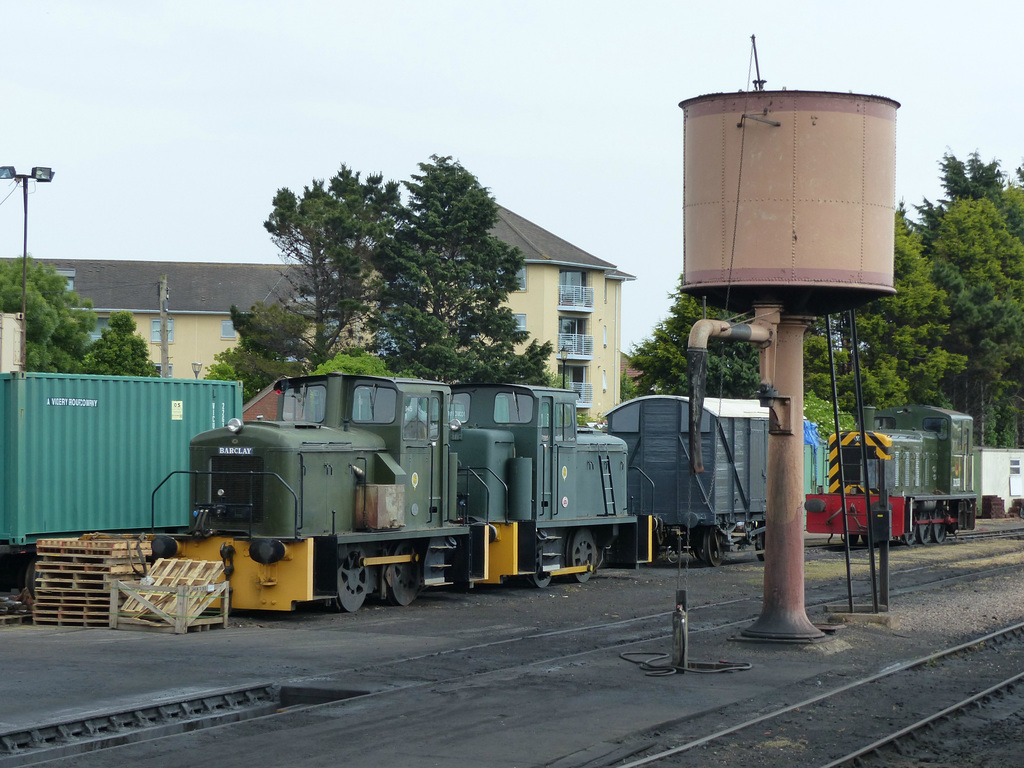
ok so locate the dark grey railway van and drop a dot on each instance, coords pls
(719, 510)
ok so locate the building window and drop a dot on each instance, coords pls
(154, 332)
(69, 275)
(521, 278)
(520, 322)
(604, 380)
(606, 335)
(160, 373)
(101, 324)
(227, 329)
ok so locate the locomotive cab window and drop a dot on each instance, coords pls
(565, 422)
(513, 408)
(307, 403)
(374, 405)
(460, 406)
(421, 418)
(939, 426)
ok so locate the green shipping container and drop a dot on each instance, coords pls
(80, 454)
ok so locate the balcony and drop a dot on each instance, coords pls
(584, 392)
(580, 346)
(575, 298)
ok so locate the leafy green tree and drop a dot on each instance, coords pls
(329, 237)
(443, 284)
(661, 359)
(820, 411)
(261, 357)
(980, 265)
(971, 180)
(119, 351)
(627, 387)
(902, 337)
(357, 361)
(58, 322)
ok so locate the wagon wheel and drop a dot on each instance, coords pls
(355, 580)
(759, 546)
(403, 580)
(939, 532)
(711, 548)
(583, 551)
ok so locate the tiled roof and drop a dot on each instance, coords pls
(193, 286)
(540, 246)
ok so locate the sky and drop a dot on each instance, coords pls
(170, 125)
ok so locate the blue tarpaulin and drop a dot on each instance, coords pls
(811, 436)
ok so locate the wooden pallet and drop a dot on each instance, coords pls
(74, 576)
(178, 596)
(93, 545)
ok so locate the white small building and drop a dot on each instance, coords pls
(10, 343)
(998, 472)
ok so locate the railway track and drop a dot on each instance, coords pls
(812, 731)
(464, 666)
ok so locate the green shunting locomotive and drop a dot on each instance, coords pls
(376, 487)
(920, 458)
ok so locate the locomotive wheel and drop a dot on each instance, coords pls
(923, 532)
(403, 580)
(355, 581)
(540, 580)
(711, 548)
(909, 538)
(939, 532)
(583, 551)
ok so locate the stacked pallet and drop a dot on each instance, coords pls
(176, 596)
(993, 508)
(74, 577)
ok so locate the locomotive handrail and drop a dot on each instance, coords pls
(152, 500)
(487, 497)
(650, 480)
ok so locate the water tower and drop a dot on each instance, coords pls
(788, 204)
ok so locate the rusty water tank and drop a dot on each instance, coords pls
(789, 198)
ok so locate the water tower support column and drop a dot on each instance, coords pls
(783, 615)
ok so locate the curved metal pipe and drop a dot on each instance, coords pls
(759, 331)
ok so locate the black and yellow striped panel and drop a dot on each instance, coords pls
(881, 443)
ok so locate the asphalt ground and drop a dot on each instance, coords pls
(561, 710)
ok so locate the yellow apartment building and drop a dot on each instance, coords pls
(199, 298)
(574, 300)
(566, 296)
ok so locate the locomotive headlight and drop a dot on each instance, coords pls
(454, 425)
(235, 425)
(164, 546)
(266, 551)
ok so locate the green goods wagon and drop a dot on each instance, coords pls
(82, 454)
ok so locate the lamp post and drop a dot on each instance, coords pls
(563, 355)
(196, 368)
(38, 174)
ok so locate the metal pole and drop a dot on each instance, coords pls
(864, 458)
(783, 613)
(24, 281)
(839, 462)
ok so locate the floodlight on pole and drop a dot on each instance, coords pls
(39, 173)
